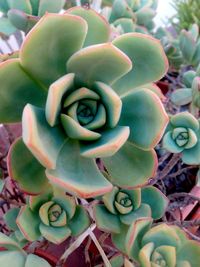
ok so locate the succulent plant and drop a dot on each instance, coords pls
(23, 14)
(15, 256)
(190, 92)
(122, 207)
(96, 107)
(183, 136)
(53, 215)
(131, 16)
(161, 245)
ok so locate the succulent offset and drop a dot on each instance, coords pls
(190, 93)
(122, 207)
(161, 245)
(86, 98)
(52, 215)
(183, 136)
(24, 14)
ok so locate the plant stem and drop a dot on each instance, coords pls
(76, 244)
(102, 253)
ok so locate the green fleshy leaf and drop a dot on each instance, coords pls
(135, 235)
(6, 27)
(8, 243)
(187, 45)
(117, 261)
(50, 6)
(43, 141)
(111, 101)
(61, 221)
(75, 131)
(80, 222)
(4, 7)
(119, 239)
(134, 195)
(28, 223)
(186, 120)
(126, 24)
(109, 199)
(192, 139)
(168, 253)
(110, 142)
(156, 200)
(99, 119)
(182, 96)
(188, 77)
(43, 212)
(144, 113)
(10, 218)
(162, 235)
(143, 211)
(36, 202)
(35, 261)
(102, 62)
(26, 170)
(55, 235)
(98, 28)
(190, 252)
(12, 258)
(126, 167)
(35, 6)
(77, 174)
(49, 45)
(67, 203)
(145, 255)
(106, 221)
(147, 56)
(23, 5)
(183, 264)
(17, 89)
(192, 156)
(170, 144)
(54, 99)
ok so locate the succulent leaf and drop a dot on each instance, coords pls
(25, 169)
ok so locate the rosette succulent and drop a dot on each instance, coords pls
(122, 207)
(161, 246)
(13, 255)
(83, 98)
(53, 215)
(182, 136)
(131, 16)
(190, 93)
(24, 14)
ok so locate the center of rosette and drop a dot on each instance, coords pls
(123, 203)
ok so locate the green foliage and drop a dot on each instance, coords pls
(130, 16)
(24, 14)
(187, 13)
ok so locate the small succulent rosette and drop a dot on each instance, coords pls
(24, 14)
(182, 136)
(52, 215)
(13, 255)
(131, 16)
(190, 93)
(83, 98)
(121, 207)
(161, 245)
